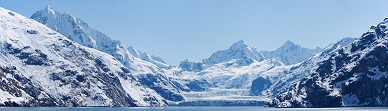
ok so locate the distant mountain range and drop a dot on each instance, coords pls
(228, 74)
(55, 59)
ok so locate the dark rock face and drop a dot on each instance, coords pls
(19, 83)
(158, 83)
(30, 58)
(32, 31)
(10, 13)
(190, 66)
(80, 83)
(258, 85)
(114, 90)
(197, 85)
(371, 78)
(353, 76)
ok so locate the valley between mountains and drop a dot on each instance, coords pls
(55, 59)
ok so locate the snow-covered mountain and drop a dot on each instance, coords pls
(64, 62)
(148, 69)
(227, 76)
(79, 31)
(41, 67)
(239, 52)
(291, 53)
(278, 80)
(229, 80)
(186, 65)
(354, 75)
(148, 57)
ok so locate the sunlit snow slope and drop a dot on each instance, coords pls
(147, 68)
(40, 67)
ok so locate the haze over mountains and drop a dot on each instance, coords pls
(55, 59)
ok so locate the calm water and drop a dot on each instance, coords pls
(195, 109)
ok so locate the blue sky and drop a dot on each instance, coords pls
(194, 29)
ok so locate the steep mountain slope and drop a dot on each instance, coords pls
(279, 79)
(40, 67)
(148, 69)
(355, 75)
(148, 57)
(291, 53)
(79, 31)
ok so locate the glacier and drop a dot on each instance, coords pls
(239, 73)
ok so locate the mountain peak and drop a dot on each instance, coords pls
(238, 45)
(186, 60)
(289, 43)
(49, 9)
(133, 51)
(291, 53)
(238, 51)
(186, 65)
(158, 61)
